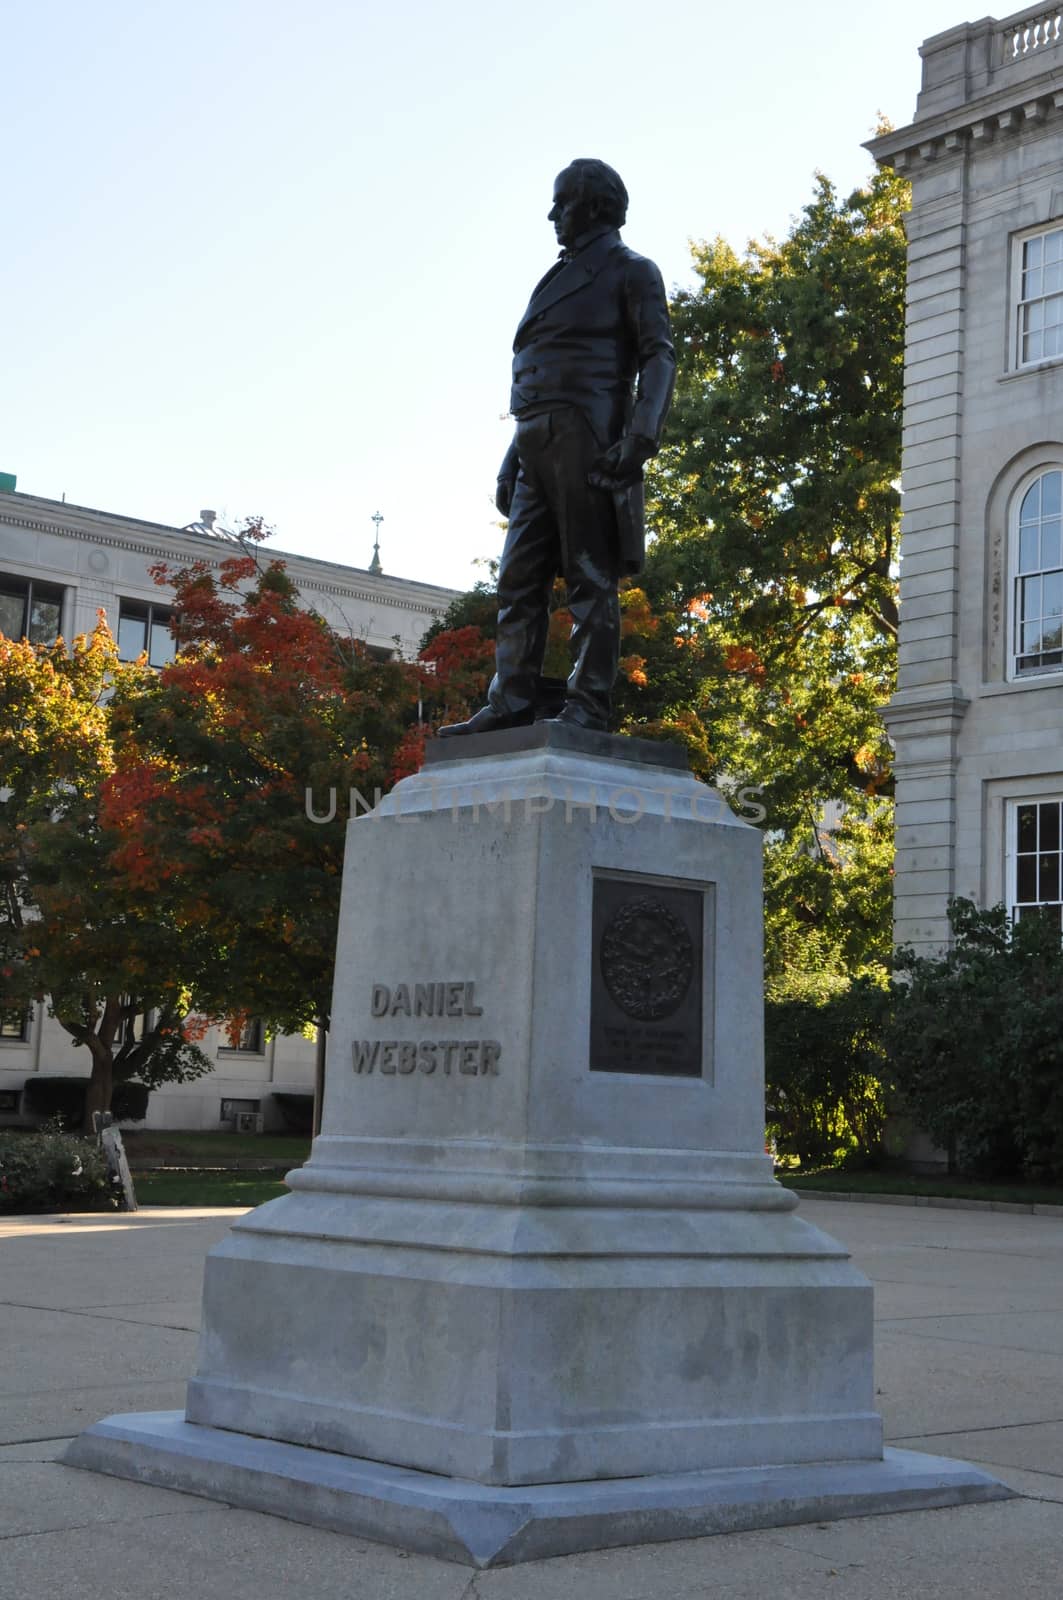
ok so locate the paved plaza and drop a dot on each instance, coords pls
(99, 1314)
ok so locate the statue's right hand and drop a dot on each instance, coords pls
(504, 496)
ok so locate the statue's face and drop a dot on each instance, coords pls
(570, 214)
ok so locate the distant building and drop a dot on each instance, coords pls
(977, 718)
(59, 565)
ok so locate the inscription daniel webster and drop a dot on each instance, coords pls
(449, 1057)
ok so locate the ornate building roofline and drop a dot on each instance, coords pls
(981, 80)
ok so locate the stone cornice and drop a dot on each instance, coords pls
(911, 711)
(981, 81)
(86, 525)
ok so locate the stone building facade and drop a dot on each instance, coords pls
(59, 565)
(977, 717)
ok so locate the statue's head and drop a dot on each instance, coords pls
(587, 194)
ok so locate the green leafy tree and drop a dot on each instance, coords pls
(113, 975)
(776, 504)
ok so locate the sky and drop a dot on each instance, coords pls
(268, 256)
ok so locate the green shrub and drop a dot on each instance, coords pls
(48, 1170)
(65, 1098)
(976, 1043)
(825, 1062)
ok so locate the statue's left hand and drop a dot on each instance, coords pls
(622, 463)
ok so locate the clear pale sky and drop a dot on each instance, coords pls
(268, 256)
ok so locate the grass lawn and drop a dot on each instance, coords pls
(206, 1188)
(945, 1188)
(206, 1149)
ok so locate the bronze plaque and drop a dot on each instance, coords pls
(646, 986)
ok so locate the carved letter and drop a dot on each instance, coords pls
(448, 1047)
(389, 1050)
(470, 1049)
(424, 1000)
(471, 1008)
(455, 991)
(400, 1000)
(490, 1050)
(381, 999)
(426, 1056)
(365, 1053)
(407, 1056)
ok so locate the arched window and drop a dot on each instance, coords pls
(1037, 602)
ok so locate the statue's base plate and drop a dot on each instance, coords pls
(482, 1526)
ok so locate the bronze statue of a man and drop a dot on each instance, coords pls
(593, 373)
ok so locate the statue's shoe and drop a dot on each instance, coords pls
(576, 715)
(487, 720)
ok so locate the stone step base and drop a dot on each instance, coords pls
(479, 1526)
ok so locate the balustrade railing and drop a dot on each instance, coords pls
(1039, 31)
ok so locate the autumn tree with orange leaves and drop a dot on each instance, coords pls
(115, 975)
(220, 798)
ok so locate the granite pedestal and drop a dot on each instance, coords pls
(536, 1289)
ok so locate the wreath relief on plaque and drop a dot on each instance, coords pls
(647, 959)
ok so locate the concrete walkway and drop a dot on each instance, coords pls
(99, 1314)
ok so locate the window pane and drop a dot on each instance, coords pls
(1030, 603)
(1031, 252)
(12, 614)
(1051, 342)
(1052, 594)
(1026, 828)
(162, 649)
(44, 621)
(1049, 826)
(131, 637)
(1031, 346)
(1035, 316)
(1031, 284)
(1051, 488)
(1050, 545)
(1026, 879)
(1029, 550)
(1031, 638)
(1053, 278)
(1048, 878)
(1054, 244)
(1030, 510)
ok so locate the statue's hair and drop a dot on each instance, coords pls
(597, 182)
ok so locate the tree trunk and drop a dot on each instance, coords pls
(98, 1093)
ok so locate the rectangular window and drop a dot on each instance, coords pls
(1040, 298)
(251, 1040)
(30, 610)
(143, 627)
(1037, 859)
(231, 1110)
(15, 1026)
